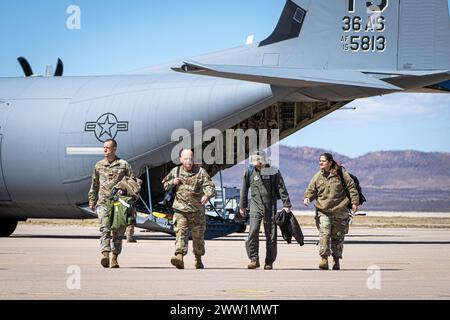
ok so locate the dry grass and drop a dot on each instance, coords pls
(389, 222)
(62, 222)
(305, 221)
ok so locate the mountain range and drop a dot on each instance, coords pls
(390, 180)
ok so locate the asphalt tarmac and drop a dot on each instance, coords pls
(54, 262)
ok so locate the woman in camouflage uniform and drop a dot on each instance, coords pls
(332, 208)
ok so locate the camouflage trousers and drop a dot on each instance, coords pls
(110, 240)
(185, 221)
(332, 230)
(270, 230)
(130, 231)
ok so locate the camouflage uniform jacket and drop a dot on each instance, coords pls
(329, 193)
(189, 192)
(105, 176)
(264, 189)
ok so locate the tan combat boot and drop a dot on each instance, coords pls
(105, 259)
(131, 240)
(199, 263)
(114, 262)
(324, 263)
(336, 265)
(253, 264)
(178, 261)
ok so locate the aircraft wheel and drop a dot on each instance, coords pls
(7, 227)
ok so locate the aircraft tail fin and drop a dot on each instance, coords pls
(382, 35)
(424, 35)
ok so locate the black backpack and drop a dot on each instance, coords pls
(169, 196)
(362, 199)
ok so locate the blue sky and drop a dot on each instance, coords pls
(118, 36)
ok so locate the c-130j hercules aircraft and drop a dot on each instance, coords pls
(321, 56)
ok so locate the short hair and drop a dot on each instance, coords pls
(258, 157)
(181, 151)
(114, 142)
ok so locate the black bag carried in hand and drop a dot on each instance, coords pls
(169, 197)
(289, 227)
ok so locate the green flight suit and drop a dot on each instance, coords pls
(264, 185)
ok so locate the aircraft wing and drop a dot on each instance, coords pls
(287, 77)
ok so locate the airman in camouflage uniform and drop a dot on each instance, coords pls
(107, 173)
(265, 183)
(193, 190)
(332, 213)
(130, 234)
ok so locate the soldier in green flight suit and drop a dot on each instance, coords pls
(266, 185)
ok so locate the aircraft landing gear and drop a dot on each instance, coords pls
(7, 227)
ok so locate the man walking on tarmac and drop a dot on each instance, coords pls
(193, 189)
(266, 185)
(107, 173)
